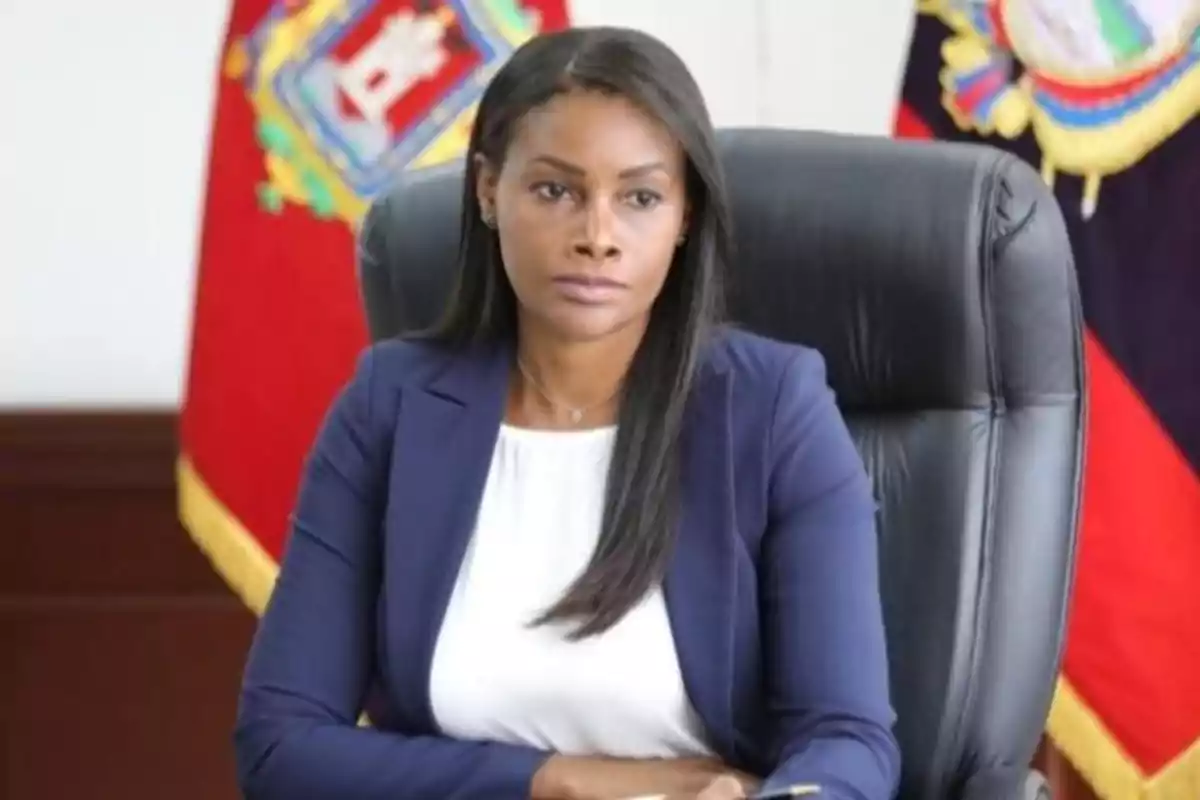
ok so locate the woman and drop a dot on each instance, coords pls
(579, 541)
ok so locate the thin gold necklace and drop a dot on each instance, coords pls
(575, 414)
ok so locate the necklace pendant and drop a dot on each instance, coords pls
(576, 416)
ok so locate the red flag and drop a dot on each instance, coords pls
(1104, 98)
(319, 103)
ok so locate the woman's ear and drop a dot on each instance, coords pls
(486, 178)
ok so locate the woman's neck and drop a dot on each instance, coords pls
(570, 383)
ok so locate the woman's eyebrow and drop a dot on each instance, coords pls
(575, 169)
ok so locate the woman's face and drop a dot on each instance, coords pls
(590, 205)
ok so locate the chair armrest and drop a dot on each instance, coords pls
(1015, 783)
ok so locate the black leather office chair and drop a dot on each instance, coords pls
(937, 280)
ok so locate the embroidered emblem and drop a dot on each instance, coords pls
(1100, 83)
(346, 93)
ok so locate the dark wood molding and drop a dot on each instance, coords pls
(88, 501)
(120, 649)
(93, 450)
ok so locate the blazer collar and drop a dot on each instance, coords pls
(446, 431)
(476, 375)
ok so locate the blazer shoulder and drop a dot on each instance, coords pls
(766, 363)
(407, 361)
(385, 368)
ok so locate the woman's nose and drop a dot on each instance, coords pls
(597, 239)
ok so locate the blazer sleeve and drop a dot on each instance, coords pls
(312, 657)
(826, 657)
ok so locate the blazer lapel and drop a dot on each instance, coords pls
(445, 435)
(699, 586)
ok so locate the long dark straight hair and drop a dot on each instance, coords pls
(642, 491)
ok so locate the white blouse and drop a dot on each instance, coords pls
(495, 677)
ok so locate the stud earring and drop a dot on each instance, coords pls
(488, 218)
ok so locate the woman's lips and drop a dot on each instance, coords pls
(590, 290)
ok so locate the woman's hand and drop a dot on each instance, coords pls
(729, 786)
(726, 787)
(571, 778)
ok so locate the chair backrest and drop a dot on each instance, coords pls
(937, 280)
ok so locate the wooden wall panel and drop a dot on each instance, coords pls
(120, 649)
(1065, 781)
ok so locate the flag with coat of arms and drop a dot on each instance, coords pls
(320, 103)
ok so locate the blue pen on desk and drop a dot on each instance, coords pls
(798, 790)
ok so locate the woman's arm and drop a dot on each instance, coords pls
(827, 678)
(311, 658)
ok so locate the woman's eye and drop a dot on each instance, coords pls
(548, 190)
(644, 198)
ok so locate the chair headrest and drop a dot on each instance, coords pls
(929, 274)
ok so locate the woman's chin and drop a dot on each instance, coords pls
(586, 323)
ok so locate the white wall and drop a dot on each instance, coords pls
(104, 118)
(104, 114)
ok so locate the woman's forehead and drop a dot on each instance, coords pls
(594, 131)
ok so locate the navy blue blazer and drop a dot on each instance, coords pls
(772, 591)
